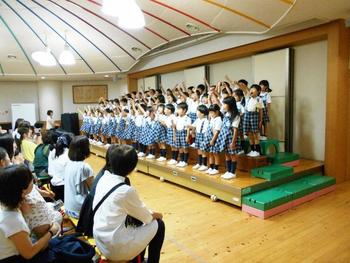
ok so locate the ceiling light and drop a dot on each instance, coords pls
(66, 57)
(129, 13)
(44, 58)
(106, 76)
(43, 77)
(192, 27)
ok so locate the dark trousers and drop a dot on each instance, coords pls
(59, 191)
(154, 247)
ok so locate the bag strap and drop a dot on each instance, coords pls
(105, 197)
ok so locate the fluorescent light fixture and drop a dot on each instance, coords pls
(66, 57)
(44, 58)
(129, 14)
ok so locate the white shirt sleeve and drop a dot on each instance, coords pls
(136, 208)
(236, 121)
(268, 98)
(217, 124)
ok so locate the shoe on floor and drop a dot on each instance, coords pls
(208, 171)
(240, 153)
(150, 156)
(181, 164)
(250, 154)
(172, 162)
(161, 159)
(203, 168)
(141, 154)
(214, 172)
(263, 138)
(195, 167)
(255, 154)
(228, 176)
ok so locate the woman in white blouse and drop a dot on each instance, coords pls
(114, 237)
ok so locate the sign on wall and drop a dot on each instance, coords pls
(85, 94)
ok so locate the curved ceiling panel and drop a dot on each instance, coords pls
(100, 46)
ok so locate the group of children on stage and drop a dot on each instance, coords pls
(213, 119)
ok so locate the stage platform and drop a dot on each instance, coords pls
(230, 191)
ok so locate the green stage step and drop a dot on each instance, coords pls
(272, 172)
(281, 194)
(283, 157)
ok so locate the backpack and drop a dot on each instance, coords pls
(86, 216)
(66, 249)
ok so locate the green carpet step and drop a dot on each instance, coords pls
(283, 157)
(284, 193)
(272, 172)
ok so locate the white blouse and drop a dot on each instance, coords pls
(113, 238)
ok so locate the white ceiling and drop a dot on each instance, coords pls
(101, 48)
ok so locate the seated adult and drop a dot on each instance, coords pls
(16, 245)
(42, 151)
(27, 146)
(115, 238)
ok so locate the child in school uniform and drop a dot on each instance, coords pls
(78, 176)
(104, 126)
(227, 139)
(253, 119)
(139, 120)
(182, 125)
(151, 133)
(130, 128)
(122, 125)
(113, 126)
(199, 127)
(210, 138)
(266, 98)
(240, 103)
(193, 104)
(84, 125)
(161, 132)
(170, 132)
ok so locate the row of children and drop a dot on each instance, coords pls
(212, 119)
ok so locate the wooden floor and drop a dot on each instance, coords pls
(198, 230)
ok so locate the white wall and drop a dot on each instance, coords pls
(236, 69)
(169, 80)
(310, 84)
(50, 98)
(16, 92)
(54, 95)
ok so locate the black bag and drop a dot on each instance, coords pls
(86, 217)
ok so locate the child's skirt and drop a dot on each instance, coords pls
(151, 134)
(111, 128)
(161, 133)
(199, 140)
(121, 129)
(104, 129)
(170, 137)
(251, 122)
(181, 139)
(266, 117)
(193, 116)
(137, 133)
(130, 130)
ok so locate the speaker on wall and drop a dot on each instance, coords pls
(70, 123)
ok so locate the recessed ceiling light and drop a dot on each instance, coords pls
(43, 77)
(136, 49)
(106, 76)
(11, 56)
(192, 27)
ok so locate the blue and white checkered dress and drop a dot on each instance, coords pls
(143, 132)
(130, 129)
(170, 137)
(121, 129)
(97, 126)
(199, 136)
(226, 129)
(266, 117)
(161, 132)
(193, 116)
(104, 128)
(251, 122)
(84, 125)
(116, 125)
(91, 125)
(208, 135)
(151, 133)
(181, 139)
(111, 126)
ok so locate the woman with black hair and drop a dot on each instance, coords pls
(115, 238)
(57, 162)
(78, 176)
(16, 182)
